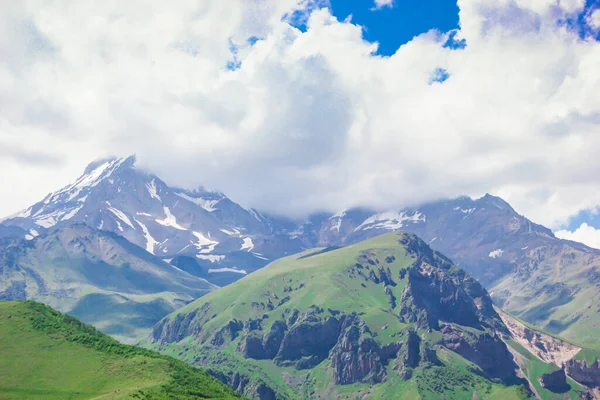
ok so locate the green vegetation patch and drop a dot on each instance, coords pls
(48, 355)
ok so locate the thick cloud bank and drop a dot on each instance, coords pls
(229, 95)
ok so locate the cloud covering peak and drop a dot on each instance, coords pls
(237, 99)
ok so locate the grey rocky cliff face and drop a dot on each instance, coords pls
(584, 373)
(253, 389)
(179, 327)
(443, 292)
(486, 350)
(411, 353)
(356, 357)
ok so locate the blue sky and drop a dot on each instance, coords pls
(395, 25)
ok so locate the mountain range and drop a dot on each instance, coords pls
(544, 280)
(384, 318)
(460, 298)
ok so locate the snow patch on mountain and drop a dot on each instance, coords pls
(258, 255)
(256, 214)
(208, 205)
(121, 215)
(391, 220)
(204, 245)
(338, 218)
(151, 187)
(150, 241)
(247, 244)
(211, 258)
(170, 220)
(464, 210)
(233, 232)
(496, 253)
(217, 270)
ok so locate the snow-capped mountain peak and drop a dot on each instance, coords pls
(65, 203)
(112, 195)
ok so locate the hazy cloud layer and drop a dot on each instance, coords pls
(228, 95)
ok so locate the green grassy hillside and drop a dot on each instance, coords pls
(47, 355)
(384, 318)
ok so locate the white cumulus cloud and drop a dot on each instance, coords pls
(307, 121)
(585, 234)
(383, 3)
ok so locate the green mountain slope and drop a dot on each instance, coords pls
(48, 355)
(384, 318)
(98, 277)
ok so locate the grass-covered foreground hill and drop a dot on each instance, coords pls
(386, 318)
(47, 355)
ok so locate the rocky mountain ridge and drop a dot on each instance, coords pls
(378, 314)
(549, 282)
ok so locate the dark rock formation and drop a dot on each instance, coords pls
(181, 326)
(251, 346)
(584, 373)
(249, 387)
(391, 297)
(272, 340)
(408, 356)
(310, 337)
(227, 333)
(356, 356)
(555, 381)
(485, 350)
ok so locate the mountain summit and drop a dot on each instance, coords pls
(385, 318)
(115, 196)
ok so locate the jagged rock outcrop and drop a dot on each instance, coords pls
(251, 346)
(485, 350)
(555, 381)
(227, 333)
(356, 357)
(411, 353)
(247, 386)
(181, 326)
(584, 373)
(272, 340)
(408, 356)
(437, 290)
(308, 341)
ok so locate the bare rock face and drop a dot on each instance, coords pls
(438, 291)
(308, 341)
(485, 350)
(227, 333)
(356, 357)
(183, 325)
(255, 389)
(584, 373)
(555, 381)
(251, 346)
(408, 356)
(547, 348)
(272, 340)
